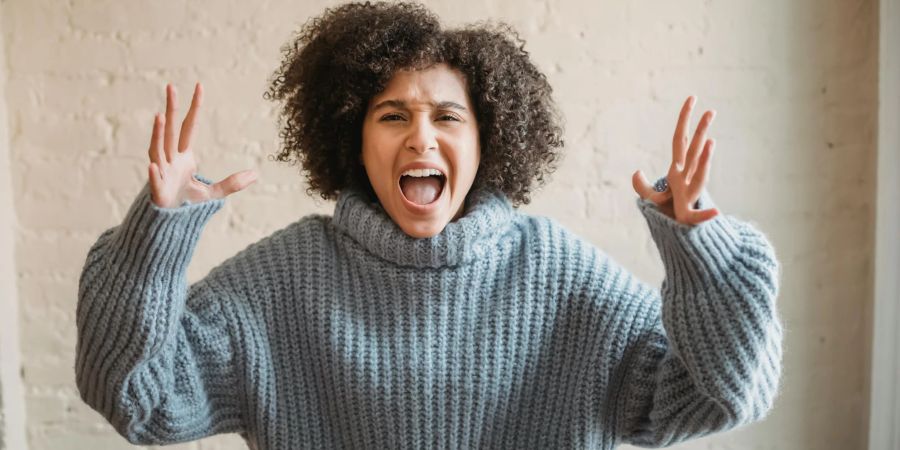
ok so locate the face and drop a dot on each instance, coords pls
(422, 122)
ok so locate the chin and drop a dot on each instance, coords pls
(423, 230)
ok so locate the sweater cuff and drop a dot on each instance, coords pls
(152, 236)
(693, 255)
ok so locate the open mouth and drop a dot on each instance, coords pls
(422, 186)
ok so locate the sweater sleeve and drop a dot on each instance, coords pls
(709, 358)
(155, 357)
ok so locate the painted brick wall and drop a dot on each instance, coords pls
(794, 85)
(12, 408)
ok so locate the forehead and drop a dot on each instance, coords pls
(435, 84)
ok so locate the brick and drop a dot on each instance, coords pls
(60, 137)
(180, 53)
(61, 437)
(67, 95)
(58, 253)
(115, 16)
(34, 19)
(86, 55)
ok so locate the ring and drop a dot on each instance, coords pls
(661, 185)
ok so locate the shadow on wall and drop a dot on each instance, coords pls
(2, 421)
(828, 202)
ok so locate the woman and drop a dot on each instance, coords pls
(427, 311)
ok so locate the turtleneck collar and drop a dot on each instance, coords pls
(487, 215)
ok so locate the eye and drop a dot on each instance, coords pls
(449, 117)
(391, 117)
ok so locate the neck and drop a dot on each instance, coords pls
(478, 224)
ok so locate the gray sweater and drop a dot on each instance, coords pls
(504, 331)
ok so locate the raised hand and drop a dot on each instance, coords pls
(172, 167)
(687, 174)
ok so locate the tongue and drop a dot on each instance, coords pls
(420, 190)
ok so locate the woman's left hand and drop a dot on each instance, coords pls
(688, 173)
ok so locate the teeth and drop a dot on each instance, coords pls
(422, 173)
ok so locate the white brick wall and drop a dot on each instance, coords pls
(793, 84)
(12, 407)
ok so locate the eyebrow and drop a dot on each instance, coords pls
(446, 104)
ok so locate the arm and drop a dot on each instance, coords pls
(709, 358)
(155, 357)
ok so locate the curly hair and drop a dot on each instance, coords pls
(339, 61)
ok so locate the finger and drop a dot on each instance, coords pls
(695, 217)
(155, 181)
(640, 184)
(698, 183)
(679, 141)
(187, 127)
(235, 182)
(697, 142)
(160, 152)
(645, 190)
(155, 151)
(168, 142)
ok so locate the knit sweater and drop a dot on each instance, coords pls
(505, 330)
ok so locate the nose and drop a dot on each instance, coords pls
(422, 136)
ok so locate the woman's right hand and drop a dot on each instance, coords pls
(172, 165)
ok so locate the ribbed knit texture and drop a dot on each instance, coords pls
(504, 331)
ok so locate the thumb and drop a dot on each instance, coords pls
(696, 217)
(640, 185)
(233, 183)
(646, 191)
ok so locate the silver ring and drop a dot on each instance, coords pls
(661, 185)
